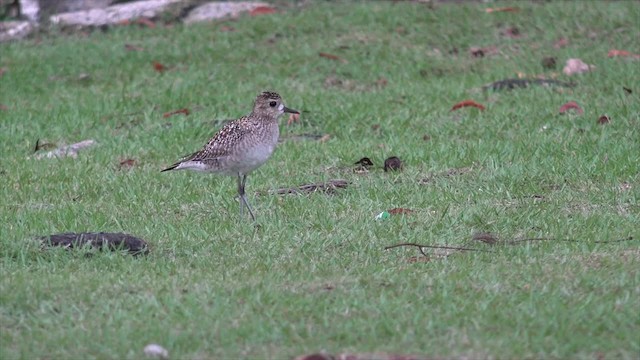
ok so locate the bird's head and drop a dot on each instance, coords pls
(270, 104)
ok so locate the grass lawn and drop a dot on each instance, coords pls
(314, 275)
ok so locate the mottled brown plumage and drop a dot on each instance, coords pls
(241, 145)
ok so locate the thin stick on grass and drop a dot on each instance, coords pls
(419, 246)
(515, 242)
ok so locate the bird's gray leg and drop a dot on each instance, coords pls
(240, 194)
(243, 198)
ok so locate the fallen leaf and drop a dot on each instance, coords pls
(184, 111)
(382, 82)
(571, 105)
(482, 52)
(560, 43)
(467, 103)
(293, 118)
(622, 53)
(604, 119)
(400, 211)
(331, 57)
(159, 67)
(262, 10)
(501, 9)
(131, 47)
(393, 163)
(127, 163)
(576, 66)
(627, 90)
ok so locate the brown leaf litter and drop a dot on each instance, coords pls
(571, 105)
(330, 188)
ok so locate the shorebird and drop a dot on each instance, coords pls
(241, 145)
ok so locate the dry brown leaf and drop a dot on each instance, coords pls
(159, 67)
(400, 211)
(467, 103)
(331, 57)
(571, 105)
(622, 53)
(127, 163)
(184, 111)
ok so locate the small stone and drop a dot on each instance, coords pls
(604, 119)
(156, 351)
(393, 163)
(549, 62)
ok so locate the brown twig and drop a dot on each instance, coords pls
(419, 246)
(513, 242)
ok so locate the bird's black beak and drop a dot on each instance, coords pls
(287, 110)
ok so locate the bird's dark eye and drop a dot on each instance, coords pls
(273, 104)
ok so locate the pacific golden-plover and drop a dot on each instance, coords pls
(241, 145)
